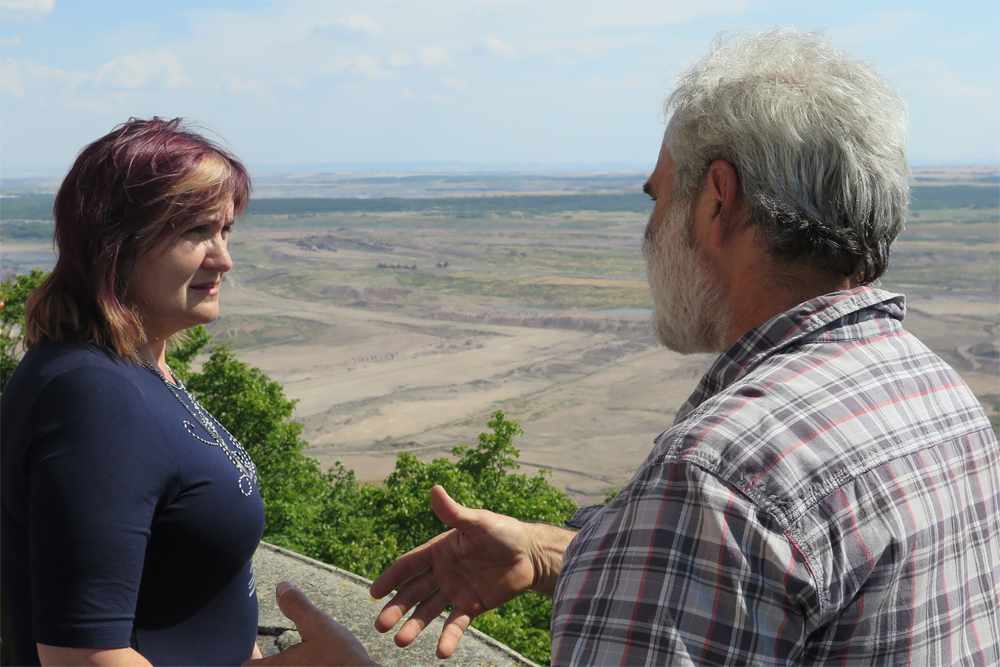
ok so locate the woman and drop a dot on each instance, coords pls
(129, 515)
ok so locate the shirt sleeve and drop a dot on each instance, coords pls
(681, 569)
(582, 516)
(96, 473)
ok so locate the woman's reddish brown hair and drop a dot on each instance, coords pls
(126, 192)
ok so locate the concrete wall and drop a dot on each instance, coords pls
(344, 596)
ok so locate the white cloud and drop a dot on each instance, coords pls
(563, 60)
(431, 57)
(355, 27)
(933, 77)
(879, 27)
(365, 24)
(339, 66)
(238, 85)
(97, 105)
(597, 83)
(25, 10)
(400, 59)
(496, 45)
(454, 84)
(130, 72)
(367, 66)
(361, 65)
(927, 65)
(43, 74)
(12, 41)
(10, 78)
(140, 70)
(950, 85)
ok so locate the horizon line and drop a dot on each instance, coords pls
(448, 167)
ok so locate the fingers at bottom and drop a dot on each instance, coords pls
(426, 611)
(454, 628)
(413, 591)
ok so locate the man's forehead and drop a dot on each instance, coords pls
(665, 160)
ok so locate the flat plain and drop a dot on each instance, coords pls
(403, 330)
(543, 317)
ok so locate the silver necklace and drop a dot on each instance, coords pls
(237, 454)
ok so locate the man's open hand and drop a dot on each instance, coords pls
(324, 641)
(486, 560)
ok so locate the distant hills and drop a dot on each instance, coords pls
(925, 197)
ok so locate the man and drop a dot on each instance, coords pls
(830, 493)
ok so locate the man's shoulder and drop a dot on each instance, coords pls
(808, 419)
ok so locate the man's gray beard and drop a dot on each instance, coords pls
(690, 313)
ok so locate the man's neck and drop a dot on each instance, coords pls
(757, 299)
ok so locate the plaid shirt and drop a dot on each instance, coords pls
(830, 494)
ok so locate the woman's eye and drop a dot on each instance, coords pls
(226, 230)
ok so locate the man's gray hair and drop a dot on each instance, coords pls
(817, 138)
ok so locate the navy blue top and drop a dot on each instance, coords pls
(121, 525)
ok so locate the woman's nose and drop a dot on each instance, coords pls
(218, 257)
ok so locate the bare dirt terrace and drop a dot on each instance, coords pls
(541, 317)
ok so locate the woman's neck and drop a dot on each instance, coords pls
(155, 352)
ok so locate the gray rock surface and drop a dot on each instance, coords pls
(344, 596)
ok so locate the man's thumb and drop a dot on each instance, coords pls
(296, 606)
(451, 512)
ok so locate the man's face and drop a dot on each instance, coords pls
(690, 313)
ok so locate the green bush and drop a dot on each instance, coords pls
(13, 294)
(363, 528)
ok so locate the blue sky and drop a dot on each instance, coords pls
(487, 83)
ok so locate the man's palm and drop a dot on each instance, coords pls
(483, 562)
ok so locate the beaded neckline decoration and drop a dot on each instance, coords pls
(237, 454)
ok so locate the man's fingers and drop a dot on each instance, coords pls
(294, 604)
(412, 592)
(454, 628)
(425, 612)
(419, 559)
(407, 566)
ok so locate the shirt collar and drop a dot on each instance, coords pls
(783, 330)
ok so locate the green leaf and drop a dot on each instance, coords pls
(14, 293)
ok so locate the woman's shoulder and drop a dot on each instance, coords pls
(70, 366)
(54, 358)
(80, 391)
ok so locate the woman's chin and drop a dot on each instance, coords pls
(204, 315)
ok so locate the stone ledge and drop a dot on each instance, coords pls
(344, 596)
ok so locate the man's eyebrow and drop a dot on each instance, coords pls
(648, 189)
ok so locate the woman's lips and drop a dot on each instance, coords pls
(210, 289)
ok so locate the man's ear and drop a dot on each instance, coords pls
(721, 209)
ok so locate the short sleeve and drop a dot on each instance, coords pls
(684, 570)
(96, 473)
(582, 516)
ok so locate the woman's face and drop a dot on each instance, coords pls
(176, 284)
